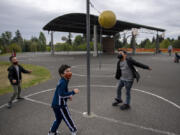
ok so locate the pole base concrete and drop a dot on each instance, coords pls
(85, 114)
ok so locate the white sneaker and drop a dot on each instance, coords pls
(73, 133)
(57, 133)
(50, 133)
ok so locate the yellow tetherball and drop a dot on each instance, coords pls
(107, 19)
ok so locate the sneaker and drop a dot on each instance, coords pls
(9, 105)
(116, 102)
(51, 133)
(57, 133)
(73, 133)
(19, 98)
(125, 107)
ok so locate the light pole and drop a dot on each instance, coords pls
(88, 58)
(52, 44)
(157, 43)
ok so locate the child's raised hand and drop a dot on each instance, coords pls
(76, 91)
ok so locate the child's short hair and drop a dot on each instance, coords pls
(11, 57)
(63, 68)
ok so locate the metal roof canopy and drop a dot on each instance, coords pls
(76, 23)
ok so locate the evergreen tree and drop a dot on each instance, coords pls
(27, 45)
(18, 39)
(42, 41)
(153, 40)
(78, 40)
(69, 41)
(6, 38)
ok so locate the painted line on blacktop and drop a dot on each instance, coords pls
(111, 120)
(105, 86)
(106, 118)
(4, 105)
(157, 96)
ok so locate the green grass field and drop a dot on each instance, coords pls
(39, 74)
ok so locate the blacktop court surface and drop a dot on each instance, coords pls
(155, 106)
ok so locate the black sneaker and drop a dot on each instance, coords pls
(9, 105)
(125, 107)
(19, 98)
(116, 102)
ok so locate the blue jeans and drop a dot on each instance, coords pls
(128, 86)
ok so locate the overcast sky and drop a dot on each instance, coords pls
(29, 16)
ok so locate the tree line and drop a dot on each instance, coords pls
(78, 43)
(148, 44)
(9, 43)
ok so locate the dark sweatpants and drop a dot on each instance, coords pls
(63, 113)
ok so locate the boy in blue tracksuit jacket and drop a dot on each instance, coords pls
(59, 103)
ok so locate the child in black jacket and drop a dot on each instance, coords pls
(15, 77)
